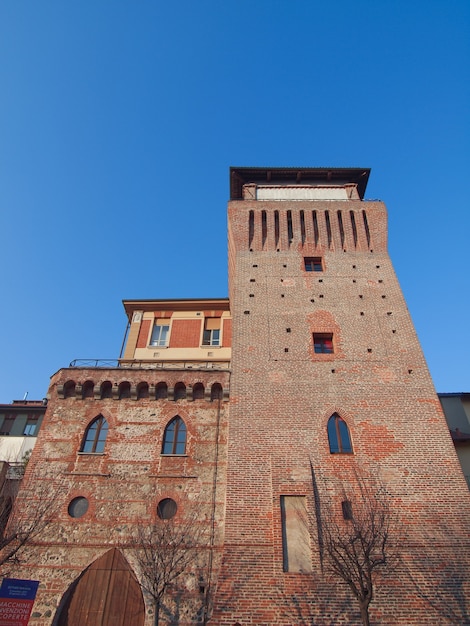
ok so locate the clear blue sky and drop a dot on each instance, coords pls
(119, 121)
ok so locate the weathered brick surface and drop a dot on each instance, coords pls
(274, 441)
(283, 394)
(125, 484)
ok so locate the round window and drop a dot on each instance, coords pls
(166, 508)
(78, 507)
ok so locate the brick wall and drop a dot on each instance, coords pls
(283, 394)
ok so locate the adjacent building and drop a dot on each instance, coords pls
(257, 418)
(456, 408)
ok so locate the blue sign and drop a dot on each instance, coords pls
(19, 589)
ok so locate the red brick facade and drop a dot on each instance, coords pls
(306, 345)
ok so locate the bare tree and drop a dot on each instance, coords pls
(361, 540)
(164, 552)
(25, 513)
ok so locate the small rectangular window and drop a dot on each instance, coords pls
(313, 264)
(31, 426)
(7, 425)
(346, 506)
(160, 333)
(323, 343)
(211, 336)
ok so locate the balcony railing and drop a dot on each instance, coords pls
(151, 365)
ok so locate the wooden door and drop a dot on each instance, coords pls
(106, 594)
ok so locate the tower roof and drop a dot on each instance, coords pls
(240, 176)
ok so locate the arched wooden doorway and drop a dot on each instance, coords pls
(106, 594)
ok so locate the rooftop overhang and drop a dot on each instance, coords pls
(240, 176)
(189, 304)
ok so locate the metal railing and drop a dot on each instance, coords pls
(151, 365)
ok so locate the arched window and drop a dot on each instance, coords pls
(95, 436)
(161, 391)
(106, 390)
(124, 390)
(198, 391)
(216, 392)
(87, 389)
(142, 391)
(69, 389)
(174, 438)
(180, 391)
(338, 435)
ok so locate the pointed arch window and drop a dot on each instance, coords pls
(338, 435)
(95, 436)
(174, 438)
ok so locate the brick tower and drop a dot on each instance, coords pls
(329, 390)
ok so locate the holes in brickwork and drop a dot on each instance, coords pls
(354, 267)
(380, 280)
(369, 350)
(286, 349)
(288, 330)
(354, 280)
(320, 280)
(333, 371)
(383, 297)
(255, 265)
(394, 331)
(410, 371)
(252, 295)
(312, 300)
(389, 312)
(361, 296)
(377, 267)
(282, 295)
(321, 295)
(362, 312)
(246, 312)
(284, 265)
(252, 280)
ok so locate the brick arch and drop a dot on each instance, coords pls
(88, 389)
(105, 594)
(142, 390)
(69, 389)
(124, 390)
